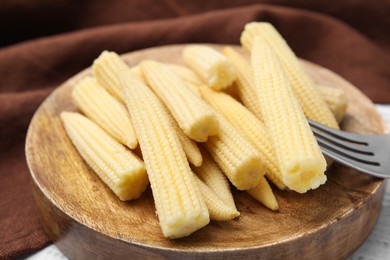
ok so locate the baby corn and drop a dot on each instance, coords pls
(136, 70)
(263, 193)
(301, 162)
(186, 74)
(214, 69)
(245, 86)
(180, 207)
(122, 171)
(253, 129)
(192, 114)
(217, 209)
(309, 97)
(236, 156)
(190, 147)
(336, 100)
(109, 63)
(99, 106)
(214, 178)
(105, 68)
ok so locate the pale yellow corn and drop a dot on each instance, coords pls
(194, 88)
(190, 147)
(236, 156)
(193, 115)
(247, 92)
(180, 207)
(105, 68)
(186, 74)
(136, 70)
(336, 100)
(253, 129)
(301, 162)
(214, 178)
(214, 68)
(102, 108)
(308, 95)
(121, 170)
(245, 86)
(218, 210)
(263, 193)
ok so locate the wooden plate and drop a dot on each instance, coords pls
(85, 220)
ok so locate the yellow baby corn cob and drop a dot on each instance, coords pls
(253, 129)
(309, 97)
(111, 115)
(236, 156)
(105, 69)
(301, 162)
(117, 166)
(190, 147)
(245, 86)
(111, 64)
(263, 193)
(192, 114)
(336, 100)
(249, 96)
(193, 87)
(186, 74)
(180, 207)
(138, 72)
(214, 178)
(211, 66)
(217, 209)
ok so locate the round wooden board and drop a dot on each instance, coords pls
(85, 219)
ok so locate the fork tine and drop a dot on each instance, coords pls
(355, 156)
(342, 143)
(349, 137)
(374, 170)
(366, 153)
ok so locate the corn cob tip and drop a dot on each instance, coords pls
(102, 108)
(304, 175)
(192, 114)
(106, 69)
(336, 100)
(213, 67)
(215, 179)
(264, 194)
(122, 171)
(218, 210)
(102, 55)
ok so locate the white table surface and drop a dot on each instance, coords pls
(376, 247)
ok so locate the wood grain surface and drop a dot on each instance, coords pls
(86, 221)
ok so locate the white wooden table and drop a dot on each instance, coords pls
(376, 247)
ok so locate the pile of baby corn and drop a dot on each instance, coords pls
(195, 139)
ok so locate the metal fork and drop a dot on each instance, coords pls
(365, 153)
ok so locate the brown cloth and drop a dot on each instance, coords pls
(45, 42)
